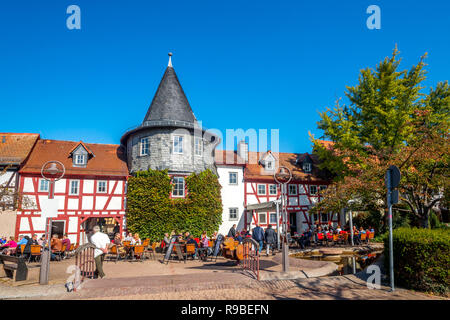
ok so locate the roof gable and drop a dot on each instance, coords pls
(16, 147)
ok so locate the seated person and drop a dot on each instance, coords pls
(204, 242)
(129, 237)
(238, 237)
(55, 246)
(191, 240)
(66, 242)
(137, 240)
(118, 242)
(9, 247)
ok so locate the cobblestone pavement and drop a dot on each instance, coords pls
(234, 286)
(196, 280)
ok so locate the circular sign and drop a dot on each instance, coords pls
(283, 175)
(53, 170)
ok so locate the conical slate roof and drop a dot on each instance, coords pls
(170, 102)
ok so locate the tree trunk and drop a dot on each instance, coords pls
(424, 219)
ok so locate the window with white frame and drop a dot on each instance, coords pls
(269, 165)
(292, 189)
(233, 214)
(74, 187)
(198, 146)
(177, 144)
(178, 187)
(261, 189)
(307, 167)
(233, 178)
(101, 186)
(313, 190)
(43, 185)
(273, 189)
(273, 218)
(145, 146)
(80, 159)
(263, 218)
(322, 188)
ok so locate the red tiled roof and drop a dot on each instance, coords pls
(15, 147)
(327, 144)
(227, 157)
(108, 160)
(254, 170)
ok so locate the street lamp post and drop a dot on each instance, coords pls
(351, 221)
(49, 172)
(283, 176)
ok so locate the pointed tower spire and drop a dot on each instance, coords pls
(170, 102)
(170, 60)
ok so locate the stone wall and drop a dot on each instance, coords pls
(161, 154)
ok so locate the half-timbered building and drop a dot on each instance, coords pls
(91, 192)
(303, 191)
(14, 151)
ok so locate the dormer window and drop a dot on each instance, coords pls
(307, 167)
(80, 159)
(80, 155)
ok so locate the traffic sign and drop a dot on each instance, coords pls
(395, 176)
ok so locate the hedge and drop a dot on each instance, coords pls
(151, 212)
(421, 259)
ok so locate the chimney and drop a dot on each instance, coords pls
(242, 150)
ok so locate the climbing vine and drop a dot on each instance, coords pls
(151, 212)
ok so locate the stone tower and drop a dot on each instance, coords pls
(170, 137)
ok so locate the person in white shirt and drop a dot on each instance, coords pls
(101, 242)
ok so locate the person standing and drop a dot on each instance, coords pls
(232, 231)
(258, 235)
(101, 241)
(271, 239)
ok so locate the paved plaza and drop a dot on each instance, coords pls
(195, 280)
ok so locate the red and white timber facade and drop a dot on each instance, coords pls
(303, 191)
(93, 187)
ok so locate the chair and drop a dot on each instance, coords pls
(151, 250)
(126, 243)
(363, 236)
(371, 235)
(210, 243)
(114, 252)
(190, 250)
(335, 239)
(35, 251)
(139, 252)
(146, 242)
(61, 253)
(22, 248)
(320, 238)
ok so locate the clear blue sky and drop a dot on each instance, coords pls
(242, 63)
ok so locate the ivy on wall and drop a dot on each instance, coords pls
(151, 212)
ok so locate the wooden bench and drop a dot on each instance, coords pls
(16, 264)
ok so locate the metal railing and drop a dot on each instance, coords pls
(251, 256)
(85, 263)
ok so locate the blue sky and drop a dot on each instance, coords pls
(243, 64)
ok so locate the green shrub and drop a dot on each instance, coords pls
(421, 259)
(151, 212)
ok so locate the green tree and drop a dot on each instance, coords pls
(387, 120)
